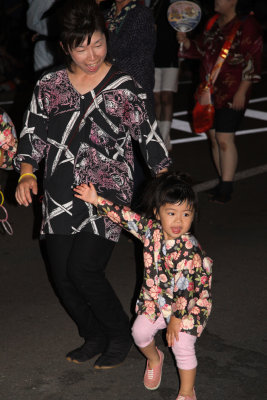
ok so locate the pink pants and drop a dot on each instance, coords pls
(144, 330)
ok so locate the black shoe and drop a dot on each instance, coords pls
(213, 191)
(115, 353)
(88, 350)
(221, 198)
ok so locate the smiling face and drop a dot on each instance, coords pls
(89, 58)
(176, 219)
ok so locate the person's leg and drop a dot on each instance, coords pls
(59, 248)
(143, 332)
(228, 155)
(157, 103)
(184, 352)
(214, 150)
(226, 123)
(228, 162)
(167, 105)
(157, 90)
(86, 267)
(168, 88)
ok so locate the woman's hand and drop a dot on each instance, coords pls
(87, 193)
(173, 330)
(23, 190)
(183, 39)
(239, 100)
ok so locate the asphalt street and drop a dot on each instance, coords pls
(36, 333)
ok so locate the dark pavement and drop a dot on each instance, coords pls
(36, 333)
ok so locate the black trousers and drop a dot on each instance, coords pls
(77, 269)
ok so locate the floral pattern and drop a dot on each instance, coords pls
(177, 273)
(8, 141)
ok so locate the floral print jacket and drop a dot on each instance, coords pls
(8, 141)
(177, 273)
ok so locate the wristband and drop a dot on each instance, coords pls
(7, 227)
(2, 198)
(27, 173)
(6, 214)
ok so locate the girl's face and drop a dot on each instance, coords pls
(89, 58)
(176, 219)
(224, 6)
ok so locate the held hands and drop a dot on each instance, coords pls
(173, 330)
(86, 193)
(23, 190)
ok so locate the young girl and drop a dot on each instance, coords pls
(177, 276)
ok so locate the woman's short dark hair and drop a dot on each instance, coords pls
(79, 20)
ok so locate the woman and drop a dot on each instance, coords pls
(232, 87)
(81, 120)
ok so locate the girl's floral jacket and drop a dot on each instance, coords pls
(177, 273)
(8, 141)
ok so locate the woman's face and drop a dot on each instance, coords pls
(89, 58)
(224, 6)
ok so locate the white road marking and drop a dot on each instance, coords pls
(203, 136)
(7, 102)
(201, 187)
(261, 115)
(258, 100)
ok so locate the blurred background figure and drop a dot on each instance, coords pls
(166, 68)
(14, 47)
(233, 85)
(131, 46)
(40, 21)
(132, 41)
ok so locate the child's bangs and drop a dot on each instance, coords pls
(180, 195)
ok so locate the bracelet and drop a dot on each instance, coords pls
(6, 214)
(27, 173)
(2, 198)
(7, 227)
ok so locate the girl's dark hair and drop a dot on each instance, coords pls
(169, 187)
(78, 20)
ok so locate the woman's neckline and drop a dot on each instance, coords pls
(94, 88)
(222, 26)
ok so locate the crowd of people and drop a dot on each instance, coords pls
(99, 121)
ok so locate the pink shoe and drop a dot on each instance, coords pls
(194, 397)
(152, 377)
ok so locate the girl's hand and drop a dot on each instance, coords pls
(23, 190)
(173, 330)
(86, 193)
